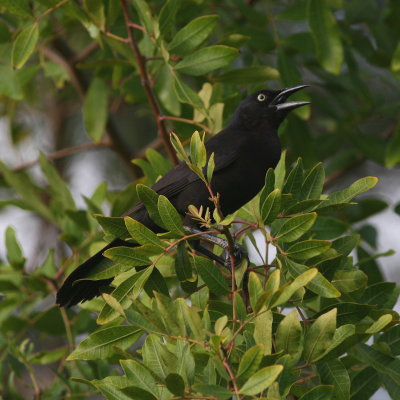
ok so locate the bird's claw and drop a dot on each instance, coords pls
(239, 253)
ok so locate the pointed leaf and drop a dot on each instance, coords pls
(99, 345)
(295, 227)
(326, 35)
(24, 45)
(319, 336)
(95, 109)
(207, 59)
(261, 380)
(193, 34)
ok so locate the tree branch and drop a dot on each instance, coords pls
(162, 130)
(187, 121)
(66, 152)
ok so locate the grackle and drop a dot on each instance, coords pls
(243, 153)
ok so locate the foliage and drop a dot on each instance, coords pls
(316, 321)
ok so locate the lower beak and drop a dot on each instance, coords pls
(279, 100)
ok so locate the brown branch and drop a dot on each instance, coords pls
(136, 26)
(50, 10)
(162, 130)
(81, 83)
(66, 152)
(87, 51)
(115, 37)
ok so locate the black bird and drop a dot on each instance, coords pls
(243, 152)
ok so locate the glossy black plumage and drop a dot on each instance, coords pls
(243, 152)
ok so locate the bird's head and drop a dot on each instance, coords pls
(268, 107)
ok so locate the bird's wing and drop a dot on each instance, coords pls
(176, 180)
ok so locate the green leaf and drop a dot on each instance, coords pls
(263, 329)
(392, 155)
(14, 253)
(334, 373)
(144, 12)
(30, 194)
(141, 233)
(132, 256)
(320, 392)
(261, 380)
(125, 293)
(294, 227)
(347, 281)
(378, 360)
(150, 199)
(24, 45)
(192, 319)
(307, 249)
(255, 289)
(183, 266)
(175, 384)
(167, 16)
(17, 7)
(379, 324)
(378, 293)
(328, 227)
(59, 188)
(271, 206)
(345, 195)
(313, 183)
(207, 59)
(138, 375)
(192, 35)
(219, 392)
(170, 217)
(156, 356)
(294, 180)
(114, 226)
(280, 171)
(346, 244)
(326, 35)
(250, 362)
(185, 94)
(364, 384)
(319, 336)
(198, 153)
(341, 334)
(319, 285)
(9, 83)
(211, 275)
(248, 75)
(286, 292)
(95, 9)
(95, 109)
(99, 345)
(289, 335)
(268, 186)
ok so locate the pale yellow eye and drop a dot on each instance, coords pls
(261, 97)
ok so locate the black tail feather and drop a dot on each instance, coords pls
(72, 292)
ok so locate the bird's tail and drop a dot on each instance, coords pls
(73, 292)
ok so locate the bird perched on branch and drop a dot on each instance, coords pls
(243, 152)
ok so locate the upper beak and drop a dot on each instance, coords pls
(279, 101)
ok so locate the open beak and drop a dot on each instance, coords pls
(279, 101)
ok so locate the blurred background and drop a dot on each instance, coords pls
(72, 90)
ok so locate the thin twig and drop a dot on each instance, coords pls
(145, 79)
(187, 121)
(65, 152)
(58, 5)
(115, 37)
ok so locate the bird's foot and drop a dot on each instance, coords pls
(239, 253)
